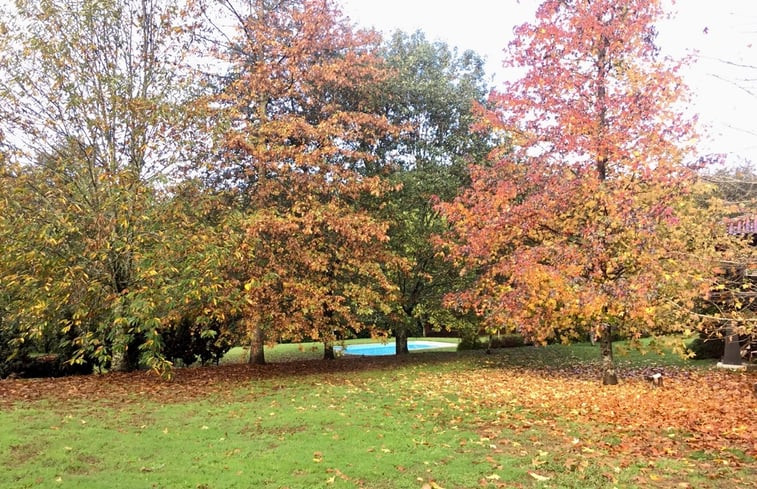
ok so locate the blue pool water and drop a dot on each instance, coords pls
(381, 349)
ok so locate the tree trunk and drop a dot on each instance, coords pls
(400, 335)
(732, 351)
(118, 361)
(257, 344)
(125, 357)
(609, 376)
(328, 351)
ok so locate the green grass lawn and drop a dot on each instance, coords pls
(521, 417)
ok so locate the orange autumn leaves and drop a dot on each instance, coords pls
(712, 411)
(298, 136)
(586, 217)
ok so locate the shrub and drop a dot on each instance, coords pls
(469, 343)
(475, 342)
(469, 340)
(507, 341)
(47, 356)
(11, 361)
(707, 348)
(191, 340)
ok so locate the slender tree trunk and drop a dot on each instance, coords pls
(609, 376)
(732, 351)
(401, 331)
(328, 351)
(124, 347)
(400, 337)
(120, 342)
(328, 314)
(257, 344)
(118, 360)
(126, 358)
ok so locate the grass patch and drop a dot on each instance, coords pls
(520, 417)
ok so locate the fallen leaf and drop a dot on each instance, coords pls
(538, 477)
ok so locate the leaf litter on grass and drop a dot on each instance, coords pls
(709, 413)
(699, 425)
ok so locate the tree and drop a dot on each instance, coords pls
(292, 131)
(729, 307)
(581, 225)
(91, 97)
(736, 185)
(433, 92)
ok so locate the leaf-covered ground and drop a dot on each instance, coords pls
(430, 420)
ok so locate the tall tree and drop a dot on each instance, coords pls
(91, 97)
(432, 93)
(579, 226)
(729, 304)
(291, 141)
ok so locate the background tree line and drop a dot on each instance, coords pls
(181, 177)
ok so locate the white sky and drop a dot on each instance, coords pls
(728, 113)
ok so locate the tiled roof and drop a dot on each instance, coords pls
(742, 225)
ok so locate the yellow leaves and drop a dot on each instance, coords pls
(541, 459)
(538, 477)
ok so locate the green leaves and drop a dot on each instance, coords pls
(92, 113)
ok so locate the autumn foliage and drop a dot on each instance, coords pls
(90, 118)
(296, 124)
(579, 225)
(209, 173)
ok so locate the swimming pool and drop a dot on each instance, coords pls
(382, 349)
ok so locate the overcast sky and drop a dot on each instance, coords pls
(720, 31)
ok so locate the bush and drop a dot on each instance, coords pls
(469, 343)
(707, 348)
(46, 357)
(474, 342)
(469, 340)
(191, 340)
(507, 341)
(51, 365)
(8, 365)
